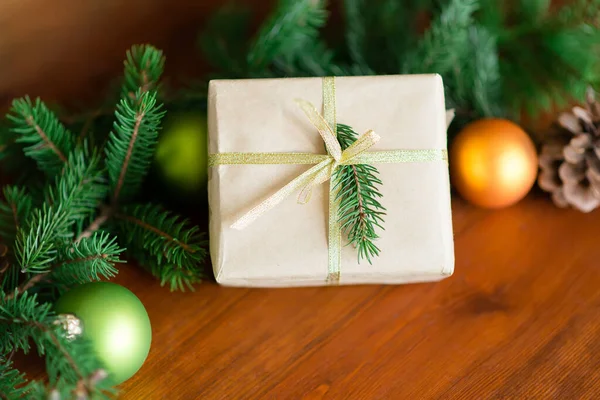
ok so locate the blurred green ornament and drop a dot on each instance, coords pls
(182, 152)
(116, 323)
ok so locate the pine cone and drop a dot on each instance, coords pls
(570, 163)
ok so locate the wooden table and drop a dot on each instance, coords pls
(520, 319)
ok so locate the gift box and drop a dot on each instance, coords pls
(264, 134)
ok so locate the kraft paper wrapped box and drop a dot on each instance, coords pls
(288, 244)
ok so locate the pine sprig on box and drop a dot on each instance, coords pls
(360, 212)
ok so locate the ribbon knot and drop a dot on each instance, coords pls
(337, 156)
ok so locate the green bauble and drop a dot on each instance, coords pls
(182, 152)
(116, 323)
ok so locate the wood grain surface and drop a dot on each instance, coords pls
(520, 319)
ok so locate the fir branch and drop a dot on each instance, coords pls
(379, 35)
(360, 212)
(92, 387)
(485, 70)
(12, 382)
(88, 260)
(473, 87)
(82, 186)
(548, 65)
(49, 142)
(443, 45)
(75, 195)
(36, 244)
(131, 144)
(166, 241)
(70, 363)
(294, 24)
(25, 310)
(144, 66)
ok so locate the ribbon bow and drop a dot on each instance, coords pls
(323, 169)
(320, 173)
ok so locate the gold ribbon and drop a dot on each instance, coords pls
(323, 169)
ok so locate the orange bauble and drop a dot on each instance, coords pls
(493, 163)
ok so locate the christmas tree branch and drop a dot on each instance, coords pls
(167, 245)
(70, 362)
(61, 353)
(12, 382)
(82, 186)
(55, 341)
(53, 233)
(35, 246)
(49, 141)
(144, 66)
(443, 46)
(46, 140)
(85, 261)
(146, 226)
(294, 24)
(88, 260)
(131, 144)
